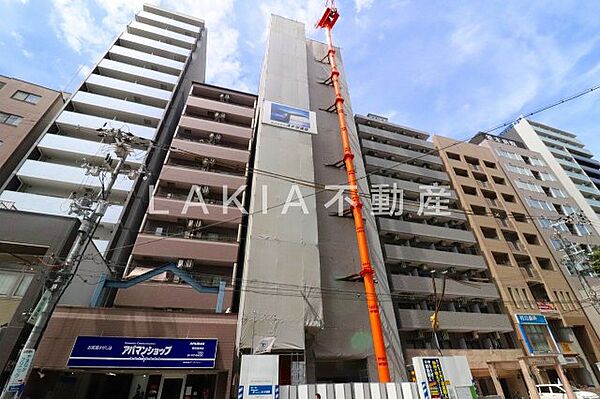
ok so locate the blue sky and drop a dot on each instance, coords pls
(449, 68)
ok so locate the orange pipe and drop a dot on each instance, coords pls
(363, 247)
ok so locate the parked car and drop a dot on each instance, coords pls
(556, 391)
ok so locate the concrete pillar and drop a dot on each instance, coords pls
(533, 393)
(496, 380)
(565, 381)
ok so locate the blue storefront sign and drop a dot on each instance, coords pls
(259, 390)
(136, 352)
(531, 319)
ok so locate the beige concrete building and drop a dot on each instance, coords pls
(544, 310)
(25, 110)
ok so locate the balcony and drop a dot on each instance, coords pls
(244, 114)
(392, 138)
(515, 246)
(124, 90)
(423, 287)
(383, 166)
(390, 126)
(108, 107)
(569, 146)
(460, 322)
(168, 24)
(84, 126)
(595, 204)
(203, 127)
(169, 248)
(434, 258)
(568, 164)
(153, 47)
(29, 202)
(185, 176)
(546, 307)
(170, 296)
(577, 177)
(74, 150)
(399, 153)
(66, 178)
(410, 189)
(144, 60)
(138, 75)
(233, 156)
(172, 209)
(588, 190)
(425, 232)
(161, 35)
(173, 15)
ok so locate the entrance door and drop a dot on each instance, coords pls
(171, 388)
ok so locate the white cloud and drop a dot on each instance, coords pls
(27, 54)
(84, 71)
(360, 5)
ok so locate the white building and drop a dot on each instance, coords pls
(134, 86)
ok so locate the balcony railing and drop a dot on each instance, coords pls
(530, 273)
(516, 246)
(198, 166)
(195, 233)
(195, 139)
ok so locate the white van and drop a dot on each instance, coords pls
(556, 391)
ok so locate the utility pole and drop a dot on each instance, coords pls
(91, 212)
(575, 258)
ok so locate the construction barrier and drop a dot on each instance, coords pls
(401, 390)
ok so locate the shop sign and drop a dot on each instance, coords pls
(19, 375)
(140, 352)
(531, 319)
(435, 379)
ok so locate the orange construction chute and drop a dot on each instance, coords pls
(327, 21)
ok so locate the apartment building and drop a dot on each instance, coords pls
(571, 163)
(421, 246)
(301, 289)
(136, 86)
(180, 278)
(534, 292)
(25, 111)
(546, 201)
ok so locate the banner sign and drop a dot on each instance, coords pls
(138, 352)
(289, 117)
(531, 319)
(17, 379)
(436, 382)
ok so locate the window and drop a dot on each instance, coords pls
(519, 170)
(545, 176)
(537, 338)
(489, 164)
(501, 258)
(557, 193)
(539, 204)
(519, 217)
(478, 210)
(515, 299)
(525, 185)
(545, 223)
(454, 156)
(469, 190)
(556, 244)
(7, 282)
(582, 229)
(2, 84)
(568, 210)
(10, 119)
(27, 97)
(545, 263)
(535, 161)
(489, 233)
(508, 154)
(531, 239)
(499, 180)
(508, 197)
(23, 285)
(526, 299)
(461, 172)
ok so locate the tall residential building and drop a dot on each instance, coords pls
(25, 111)
(180, 279)
(543, 307)
(419, 245)
(137, 86)
(546, 200)
(301, 288)
(569, 160)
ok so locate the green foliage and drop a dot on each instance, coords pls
(594, 259)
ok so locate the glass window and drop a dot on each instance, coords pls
(536, 161)
(23, 285)
(519, 169)
(539, 204)
(583, 229)
(537, 338)
(509, 154)
(544, 390)
(7, 283)
(27, 97)
(545, 223)
(557, 193)
(525, 185)
(568, 209)
(556, 244)
(545, 176)
(9, 119)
